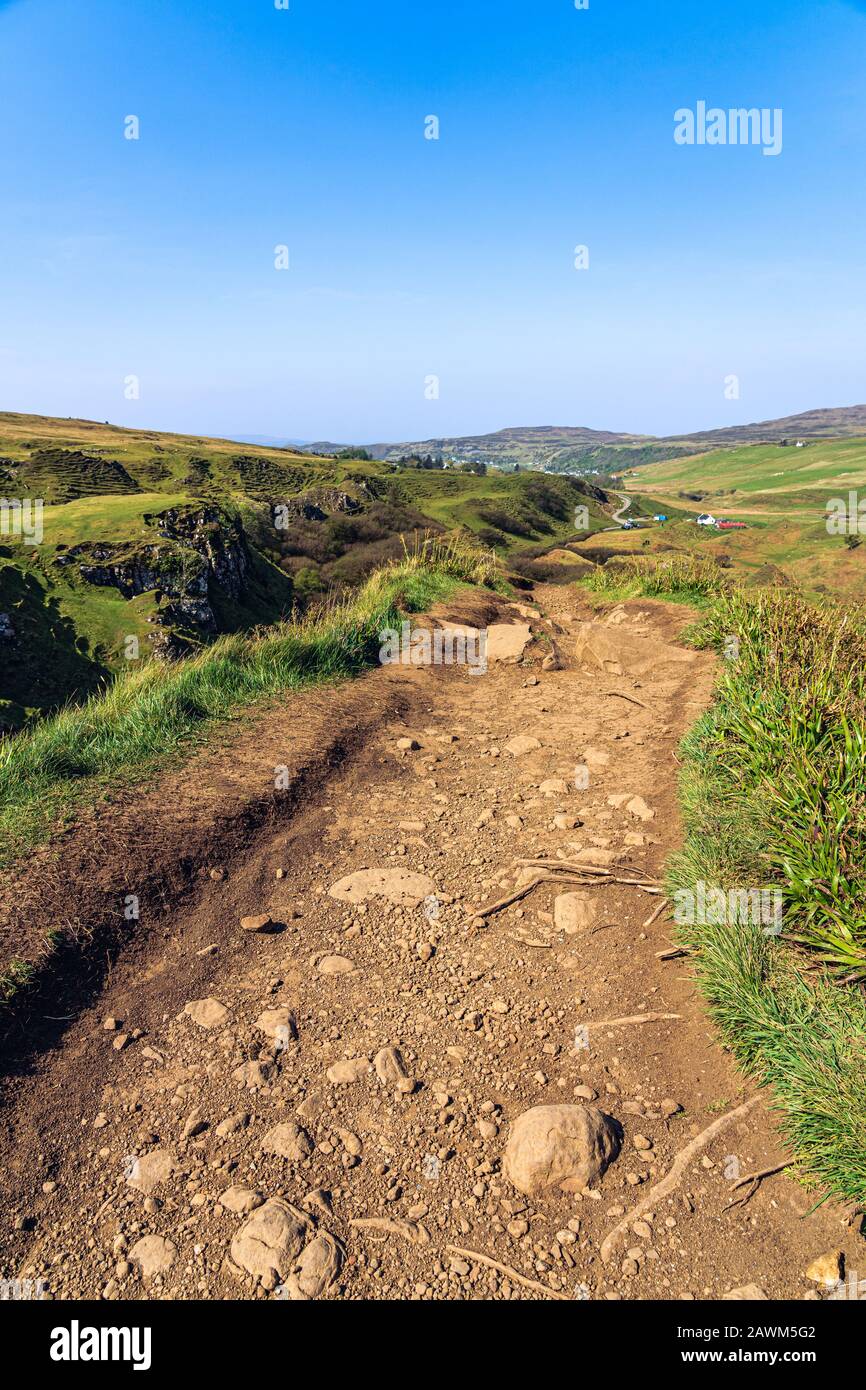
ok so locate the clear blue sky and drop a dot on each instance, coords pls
(412, 257)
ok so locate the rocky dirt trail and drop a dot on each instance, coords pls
(366, 1090)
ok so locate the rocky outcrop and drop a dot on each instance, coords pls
(317, 505)
(217, 539)
(197, 548)
(139, 570)
(601, 646)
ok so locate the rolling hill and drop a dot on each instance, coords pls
(781, 493)
(579, 450)
(156, 543)
(761, 478)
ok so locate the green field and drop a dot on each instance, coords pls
(781, 493)
(111, 566)
(763, 475)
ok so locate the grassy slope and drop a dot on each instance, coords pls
(18, 433)
(156, 713)
(782, 495)
(72, 635)
(822, 468)
(773, 792)
(802, 549)
(105, 518)
(165, 465)
(51, 662)
(453, 500)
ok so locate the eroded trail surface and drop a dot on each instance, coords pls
(323, 1108)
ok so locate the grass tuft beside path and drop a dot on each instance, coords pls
(773, 791)
(154, 715)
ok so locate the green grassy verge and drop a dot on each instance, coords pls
(774, 794)
(825, 465)
(685, 578)
(148, 719)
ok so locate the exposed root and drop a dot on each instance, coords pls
(566, 873)
(663, 1189)
(508, 1272)
(752, 1181)
(656, 914)
(575, 866)
(590, 875)
(508, 900)
(631, 699)
(763, 1173)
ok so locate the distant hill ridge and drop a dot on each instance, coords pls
(566, 448)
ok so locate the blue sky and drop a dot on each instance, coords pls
(410, 257)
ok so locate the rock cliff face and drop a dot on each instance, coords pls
(317, 505)
(195, 549)
(139, 569)
(217, 539)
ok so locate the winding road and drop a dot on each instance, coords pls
(617, 516)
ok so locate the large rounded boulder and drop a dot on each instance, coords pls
(560, 1146)
(268, 1244)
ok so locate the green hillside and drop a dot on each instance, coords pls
(775, 474)
(781, 493)
(158, 543)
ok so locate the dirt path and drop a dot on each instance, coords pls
(365, 1062)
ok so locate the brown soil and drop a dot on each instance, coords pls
(486, 1017)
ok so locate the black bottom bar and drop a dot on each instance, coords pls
(63, 1339)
